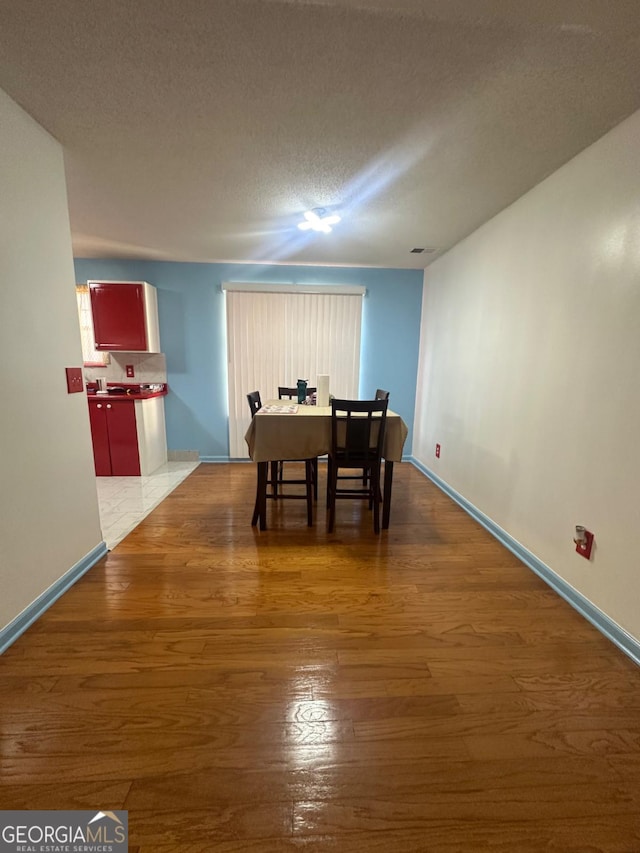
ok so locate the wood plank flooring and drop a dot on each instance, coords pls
(287, 690)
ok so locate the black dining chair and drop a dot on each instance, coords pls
(275, 482)
(288, 393)
(255, 404)
(357, 437)
(285, 393)
(381, 394)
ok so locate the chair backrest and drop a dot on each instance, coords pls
(292, 393)
(381, 395)
(254, 402)
(357, 430)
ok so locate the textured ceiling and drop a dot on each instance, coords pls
(200, 130)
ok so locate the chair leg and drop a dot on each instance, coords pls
(368, 474)
(332, 483)
(274, 478)
(374, 480)
(260, 507)
(308, 468)
(315, 478)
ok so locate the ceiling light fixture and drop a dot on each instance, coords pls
(318, 221)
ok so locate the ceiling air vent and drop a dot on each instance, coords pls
(425, 249)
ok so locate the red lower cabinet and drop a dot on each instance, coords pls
(115, 438)
(100, 438)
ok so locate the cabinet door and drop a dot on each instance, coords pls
(100, 438)
(118, 316)
(123, 438)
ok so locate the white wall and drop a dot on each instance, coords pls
(530, 371)
(49, 512)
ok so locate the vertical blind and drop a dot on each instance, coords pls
(276, 338)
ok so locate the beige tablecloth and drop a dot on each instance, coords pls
(307, 433)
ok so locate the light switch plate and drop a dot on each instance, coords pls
(75, 382)
(130, 371)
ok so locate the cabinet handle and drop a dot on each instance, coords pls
(99, 406)
(108, 405)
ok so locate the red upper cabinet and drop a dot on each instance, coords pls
(125, 316)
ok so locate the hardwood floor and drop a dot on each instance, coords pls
(287, 690)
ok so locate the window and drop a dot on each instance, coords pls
(277, 336)
(90, 357)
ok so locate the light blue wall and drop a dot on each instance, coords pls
(192, 320)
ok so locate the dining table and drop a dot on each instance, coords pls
(279, 431)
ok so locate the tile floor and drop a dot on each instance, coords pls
(124, 501)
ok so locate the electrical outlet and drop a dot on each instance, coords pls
(437, 451)
(130, 371)
(584, 542)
